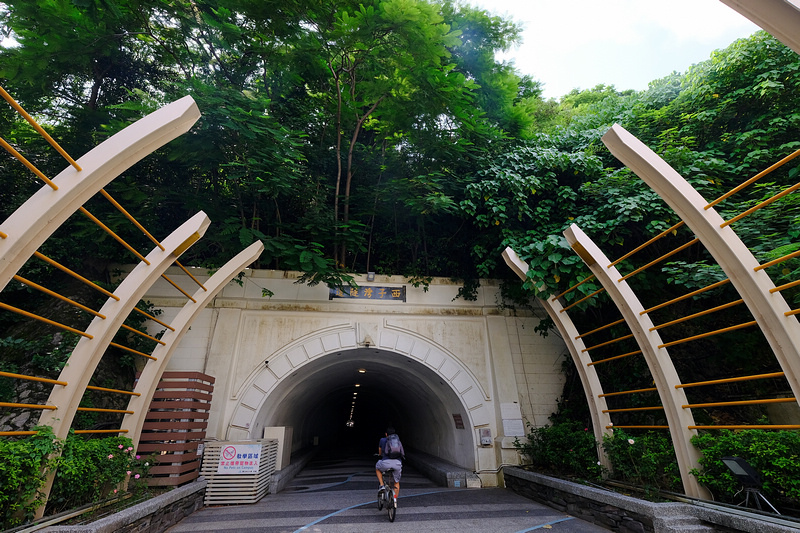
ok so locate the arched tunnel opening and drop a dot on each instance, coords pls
(380, 388)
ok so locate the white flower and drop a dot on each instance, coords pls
(630, 441)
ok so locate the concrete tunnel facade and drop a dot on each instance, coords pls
(458, 379)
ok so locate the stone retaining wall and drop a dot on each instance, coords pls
(625, 514)
(152, 516)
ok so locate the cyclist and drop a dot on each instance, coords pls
(391, 451)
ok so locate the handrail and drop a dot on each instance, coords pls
(154, 319)
(709, 334)
(696, 315)
(75, 275)
(730, 380)
(753, 179)
(651, 389)
(761, 205)
(33, 378)
(739, 402)
(133, 330)
(612, 341)
(689, 295)
(655, 261)
(601, 328)
(103, 389)
(648, 243)
(54, 294)
(630, 409)
(28, 164)
(778, 260)
(613, 358)
(137, 352)
(29, 406)
(43, 319)
(116, 237)
(554, 298)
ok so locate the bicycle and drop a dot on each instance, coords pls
(386, 494)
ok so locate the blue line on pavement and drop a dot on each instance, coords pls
(547, 524)
(317, 521)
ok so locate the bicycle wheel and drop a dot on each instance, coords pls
(392, 509)
(380, 499)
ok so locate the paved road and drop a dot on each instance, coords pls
(338, 496)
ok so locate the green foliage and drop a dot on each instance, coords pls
(91, 469)
(774, 454)
(646, 460)
(24, 465)
(565, 448)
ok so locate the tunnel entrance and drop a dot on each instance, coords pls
(345, 399)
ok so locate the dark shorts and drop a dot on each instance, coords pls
(385, 464)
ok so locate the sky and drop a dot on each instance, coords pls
(570, 44)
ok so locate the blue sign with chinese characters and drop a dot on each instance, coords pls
(370, 293)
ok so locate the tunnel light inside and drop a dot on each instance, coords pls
(362, 370)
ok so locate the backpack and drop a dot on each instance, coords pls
(392, 447)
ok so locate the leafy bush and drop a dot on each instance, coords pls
(90, 469)
(566, 448)
(646, 460)
(775, 454)
(24, 465)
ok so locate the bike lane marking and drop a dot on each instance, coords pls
(547, 524)
(317, 521)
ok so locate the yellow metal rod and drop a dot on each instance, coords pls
(3, 235)
(86, 431)
(75, 275)
(98, 410)
(701, 313)
(103, 389)
(130, 217)
(16, 433)
(784, 287)
(753, 179)
(28, 164)
(137, 352)
(730, 380)
(648, 243)
(656, 408)
(689, 295)
(43, 319)
(38, 128)
(613, 358)
(190, 275)
(612, 341)
(709, 334)
(114, 235)
(573, 304)
(740, 402)
(778, 260)
(635, 427)
(792, 312)
(32, 378)
(554, 298)
(162, 343)
(177, 287)
(651, 263)
(763, 204)
(56, 295)
(29, 406)
(626, 392)
(601, 328)
(154, 319)
(747, 427)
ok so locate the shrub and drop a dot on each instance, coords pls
(775, 454)
(90, 469)
(646, 460)
(24, 465)
(566, 448)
